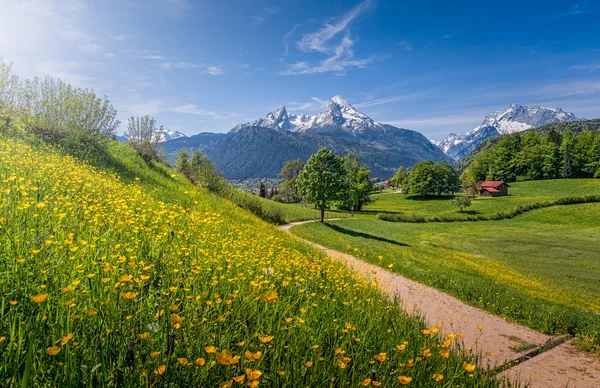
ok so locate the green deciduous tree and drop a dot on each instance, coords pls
(322, 180)
(358, 184)
(289, 173)
(182, 164)
(429, 178)
(461, 202)
(400, 177)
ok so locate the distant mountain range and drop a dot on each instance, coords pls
(163, 136)
(258, 149)
(516, 118)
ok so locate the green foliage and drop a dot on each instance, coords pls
(400, 177)
(182, 164)
(322, 180)
(429, 178)
(461, 202)
(538, 155)
(203, 173)
(358, 184)
(289, 173)
(74, 119)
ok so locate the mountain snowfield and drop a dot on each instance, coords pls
(516, 118)
(163, 136)
(169, 134)
(338, 115)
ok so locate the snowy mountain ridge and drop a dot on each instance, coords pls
(516, 118)
(338, 115)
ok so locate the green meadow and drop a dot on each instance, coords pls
(541, 268)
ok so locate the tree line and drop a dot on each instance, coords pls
(328, 179)
(531, 156)
(426, 179)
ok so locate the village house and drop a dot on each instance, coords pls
(493, 188)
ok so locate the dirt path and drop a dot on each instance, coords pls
(486, 334)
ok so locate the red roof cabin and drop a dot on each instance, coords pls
(493, 188)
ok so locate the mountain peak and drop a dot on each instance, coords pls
(337, 99)
(516, 118)
(337, 116)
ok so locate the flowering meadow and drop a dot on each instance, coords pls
(111, 283)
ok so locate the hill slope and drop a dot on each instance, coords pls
(156, 282)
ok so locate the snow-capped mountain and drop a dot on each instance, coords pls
(163, 136)
(168, 134)
(516, 118)
(337, 116)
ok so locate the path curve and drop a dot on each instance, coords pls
(557, 367)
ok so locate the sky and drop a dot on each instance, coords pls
(204, 66)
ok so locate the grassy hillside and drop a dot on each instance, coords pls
(540, 269)
(141, 279)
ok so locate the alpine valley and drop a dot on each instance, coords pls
(516, 118)
(258, 149)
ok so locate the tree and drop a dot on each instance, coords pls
(143, 136)
(182, 164)
(470, 187)
(428, 178)
(358, 184)
(400, 177)
(461, 202)
(263, 191)
(322, 180)
(289, 173)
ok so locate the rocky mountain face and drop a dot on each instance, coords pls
(259, 149)
(516, 118)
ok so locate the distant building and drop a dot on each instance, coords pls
(493, 188)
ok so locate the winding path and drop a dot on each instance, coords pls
(554, 362)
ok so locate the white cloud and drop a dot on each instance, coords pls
(318, 41)
(180, 65)
(388, 100)
(194, 109)
(206, 69)
(119, 37)
(406, 44)
(109, 55)
(213, 70)
(266, 12)
(340, 51)
(156, 57)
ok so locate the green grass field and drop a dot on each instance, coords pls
(520, 193)
(541, 268)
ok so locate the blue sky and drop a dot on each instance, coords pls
(433, 66)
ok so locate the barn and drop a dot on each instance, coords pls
(493, 188)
